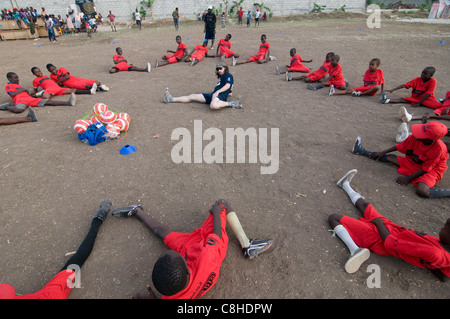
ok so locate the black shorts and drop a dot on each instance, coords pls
(208, 97)
(209, 35)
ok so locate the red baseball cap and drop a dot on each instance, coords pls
(7, 291)
(432, 130)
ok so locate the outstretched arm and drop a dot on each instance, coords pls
(156, 227)
(396, 88)
(215, 210)
(378, 155)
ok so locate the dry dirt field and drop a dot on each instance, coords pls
(52, 183)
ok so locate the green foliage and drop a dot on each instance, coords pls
(318, 8)
(148, 3)
(236, 5)
(425, 7)
(262, 6)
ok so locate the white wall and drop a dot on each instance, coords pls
(123, 9)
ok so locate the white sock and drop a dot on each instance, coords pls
(236, 226)
(343, 234)
(354, 196)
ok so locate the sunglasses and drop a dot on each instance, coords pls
(217, 69)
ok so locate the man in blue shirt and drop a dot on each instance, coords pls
(218, 98)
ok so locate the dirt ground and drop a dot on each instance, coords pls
(52, 183)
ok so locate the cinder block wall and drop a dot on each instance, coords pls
(123, 9)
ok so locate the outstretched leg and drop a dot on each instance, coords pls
(87, 245)
(358, 255)
(251, 248)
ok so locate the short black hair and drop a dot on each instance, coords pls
(170, 273)
(430, 69)
(10, 74)
(48, 66)
(34, 68)
(376, 60)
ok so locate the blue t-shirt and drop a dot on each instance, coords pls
(224, 79)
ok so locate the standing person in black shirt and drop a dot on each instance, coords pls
(210, 26)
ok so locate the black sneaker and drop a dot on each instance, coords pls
(256, 247)
(125, 211)
(32, 114)
(103, 210)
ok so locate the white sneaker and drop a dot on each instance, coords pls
(104, 87)
(404, 115)
(167, 97)
(354, 262)
(278, 70)
(356, 93)
(234, 61)
(403, 133)
(94, 89)
(331, 91)
(149, 67)
(39, 94)
(288, 76)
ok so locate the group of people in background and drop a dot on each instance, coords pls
(72, 23)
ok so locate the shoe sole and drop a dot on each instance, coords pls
(354, 263)
(403, 133)
(403, 113)
(347, 177)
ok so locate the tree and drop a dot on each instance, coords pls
(149, 3)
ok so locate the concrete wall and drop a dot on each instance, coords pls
(188, 8)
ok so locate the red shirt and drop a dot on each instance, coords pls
(201, 50)
(263, 48)
(224, 45)
(180, 50)
(204, 252)
(118, 57)
(375, 78)
(420, 156)
(111, 17)
(336, 72)
(45, 82)
(59, 75)
(296, 60)
(240, 13)
(325, 66)
(418, 249)
(419, 88)
(11, 87)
